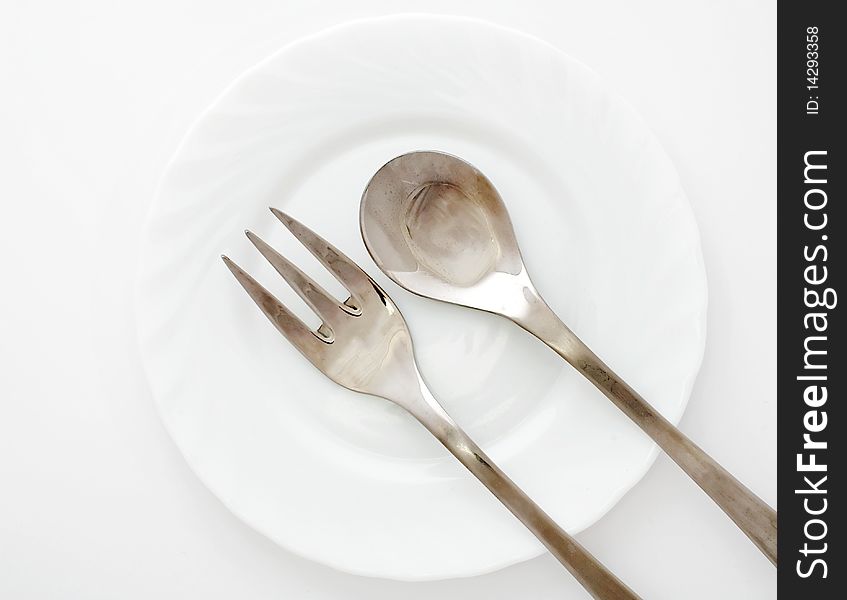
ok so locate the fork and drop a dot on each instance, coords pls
(364, 345)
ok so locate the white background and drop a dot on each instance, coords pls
(95, 500)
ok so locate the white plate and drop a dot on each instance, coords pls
(349, 480)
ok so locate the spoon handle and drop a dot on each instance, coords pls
(752, 515)
(597, 580)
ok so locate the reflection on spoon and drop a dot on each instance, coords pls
(449, 233)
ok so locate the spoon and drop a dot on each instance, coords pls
(437, 226)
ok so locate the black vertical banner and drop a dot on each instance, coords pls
(812, 169)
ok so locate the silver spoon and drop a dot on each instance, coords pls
(437, 226)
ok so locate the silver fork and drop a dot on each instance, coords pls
(364, 345)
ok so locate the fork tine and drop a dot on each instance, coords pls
(345, 270)
(309, 290)
(283, 319)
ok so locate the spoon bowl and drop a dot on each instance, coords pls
(438, 227)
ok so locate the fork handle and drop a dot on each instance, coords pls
(752, 515)
(588, 571)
